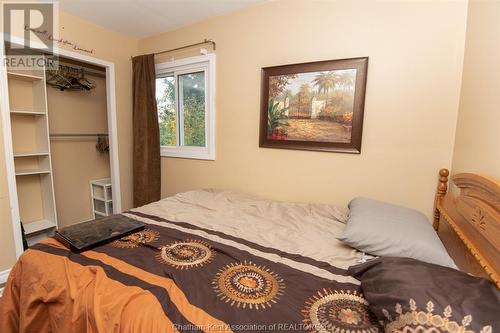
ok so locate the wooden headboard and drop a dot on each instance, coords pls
(469, 223)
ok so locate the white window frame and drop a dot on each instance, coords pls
(204, 63)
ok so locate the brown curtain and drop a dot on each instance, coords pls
(147, 171)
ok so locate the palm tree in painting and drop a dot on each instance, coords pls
(347, 80)
(325, 82)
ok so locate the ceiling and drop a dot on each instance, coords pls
(149, 17)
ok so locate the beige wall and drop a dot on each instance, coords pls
(76, 162)
(109, 46)
(414, 74)
(477, 144)
(118, 49)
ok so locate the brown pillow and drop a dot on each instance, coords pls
(410, 296)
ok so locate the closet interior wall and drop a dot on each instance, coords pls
(75, 160)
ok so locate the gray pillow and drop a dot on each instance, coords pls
(383, 229)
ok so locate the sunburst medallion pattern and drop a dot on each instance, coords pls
(133, 240)
(337, 312)
(186, 254)
(245, 284)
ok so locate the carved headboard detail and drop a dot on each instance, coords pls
(469, 224)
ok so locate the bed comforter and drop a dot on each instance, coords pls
(224, 262)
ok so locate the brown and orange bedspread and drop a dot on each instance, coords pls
(198, 279)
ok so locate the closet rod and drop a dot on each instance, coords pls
(80, 134)
(205, 41)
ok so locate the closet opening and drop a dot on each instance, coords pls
(60, 144)
(79, 144)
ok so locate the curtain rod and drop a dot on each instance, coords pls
(205, 41)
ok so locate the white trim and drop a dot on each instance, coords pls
(4, 276)
(3, 279)
(9, 154)
(207, 64)
(113, 139)
(7, 136)
(185, 62)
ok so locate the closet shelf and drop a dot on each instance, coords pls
(106, 182)
(29, 172)
(102, 199)
(36, 226)
(99, 213)
(34, 113)
(25, 77)
(30, 154)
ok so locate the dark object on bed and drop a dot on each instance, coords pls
(409, 295)
(84, 236)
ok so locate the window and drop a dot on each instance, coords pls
(186, 114)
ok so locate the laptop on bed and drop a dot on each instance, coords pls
(87, 235)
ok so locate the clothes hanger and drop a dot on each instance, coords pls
(57, 80)
(85, 82)
(69, 78)
(79, 82)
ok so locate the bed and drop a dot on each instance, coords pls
(220, 261)
(469, 224)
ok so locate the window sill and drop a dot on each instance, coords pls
(194, 153)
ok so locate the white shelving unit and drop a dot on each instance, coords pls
(31, 147)
(101, 195)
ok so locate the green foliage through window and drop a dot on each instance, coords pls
(165, 100)
(191, 106)
(192, 96)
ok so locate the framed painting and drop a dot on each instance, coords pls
(314, 106)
